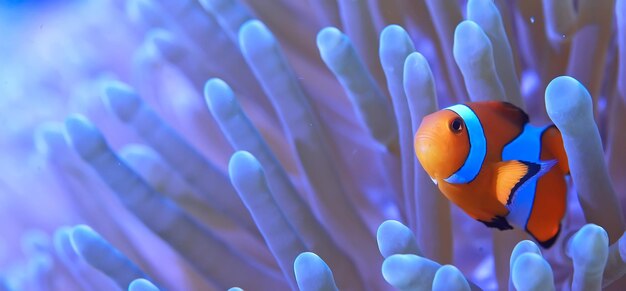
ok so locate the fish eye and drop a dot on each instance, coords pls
(456, 125)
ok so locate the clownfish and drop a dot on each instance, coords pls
(498, 168)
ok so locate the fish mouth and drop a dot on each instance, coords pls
(424, 136)
(434, 180)
(425, 147)
(424, 143)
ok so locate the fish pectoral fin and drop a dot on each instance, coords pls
(498, 222)
(514, 174)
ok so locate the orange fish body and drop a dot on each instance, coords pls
(486, 158)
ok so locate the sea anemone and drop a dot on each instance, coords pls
(296, 170)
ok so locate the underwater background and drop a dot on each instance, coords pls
(268, 145)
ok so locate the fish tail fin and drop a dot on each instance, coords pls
(514, 174)
(553, 142)
(546, 244)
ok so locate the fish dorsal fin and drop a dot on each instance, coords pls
(513, 175)
(508, 111)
